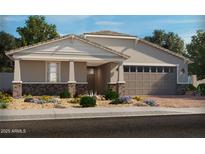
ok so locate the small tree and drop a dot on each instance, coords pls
(7, 42)
(196, 52)
(36, 30)
(168, 40)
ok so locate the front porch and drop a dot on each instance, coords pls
(76, 77)
(63, 64)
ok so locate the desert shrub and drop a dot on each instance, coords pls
(121, 100)
(190, 87)
(201, 89)
(126, 99)
(117, 101)
(138, 98)
(28, 96)
(5, 98)
(87, 101)
(65, 94)
(111, 95)
(46, 98)
(150, 102)
(27, 99)
(3, 105)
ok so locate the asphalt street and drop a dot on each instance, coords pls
(119, 127)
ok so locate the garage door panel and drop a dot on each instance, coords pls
(139, 92)
(132, 91)
(132, 77)
(132, 84)
(150, 83)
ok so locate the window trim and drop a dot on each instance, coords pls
(134, 67)
(59, 71)
(128, 68)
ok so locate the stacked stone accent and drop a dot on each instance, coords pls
(17, 90)
(81, 89)
(49, 89)
(44, 89)
(72, 89)
(121, 89)
(113, 87)
(181, 89)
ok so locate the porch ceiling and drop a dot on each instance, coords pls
(96, 63)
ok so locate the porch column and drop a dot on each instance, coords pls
(71, 79)
(17, 83)
(121, 81)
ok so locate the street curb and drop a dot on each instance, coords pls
(53, 114)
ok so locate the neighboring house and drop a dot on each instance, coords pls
(95, 62)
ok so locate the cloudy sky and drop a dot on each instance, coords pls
(141, 26)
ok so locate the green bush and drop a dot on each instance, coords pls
(5, 98)
(87, 101)
(117, 101)
(190, 87)
(111, 95)
(65, 94)
(3, 105)
(201, 89)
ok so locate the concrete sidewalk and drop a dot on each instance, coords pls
(97, 112)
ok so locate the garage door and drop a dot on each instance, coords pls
(150, 80)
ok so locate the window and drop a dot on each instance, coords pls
(90, 70)
(132, 68)
(159, 69)
(126, 68)
(139, 69)
(171, 70)
(153, 69)
(53, 72)
(166, 69)
(146, 69)
(182, 71)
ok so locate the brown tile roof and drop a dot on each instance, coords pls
(107, 32)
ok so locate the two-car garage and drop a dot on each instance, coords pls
(150, 80)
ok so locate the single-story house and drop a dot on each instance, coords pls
(96, 61)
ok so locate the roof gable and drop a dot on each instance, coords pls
(117, 34)
(165, 50)
(70, 44)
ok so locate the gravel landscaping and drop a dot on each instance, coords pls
(162, 101)
(180, 101)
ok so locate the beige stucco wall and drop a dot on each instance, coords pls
(113, 72)
(140, 52)
(35, 71)
(80, 71)
(64, 71)
(32, 71)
